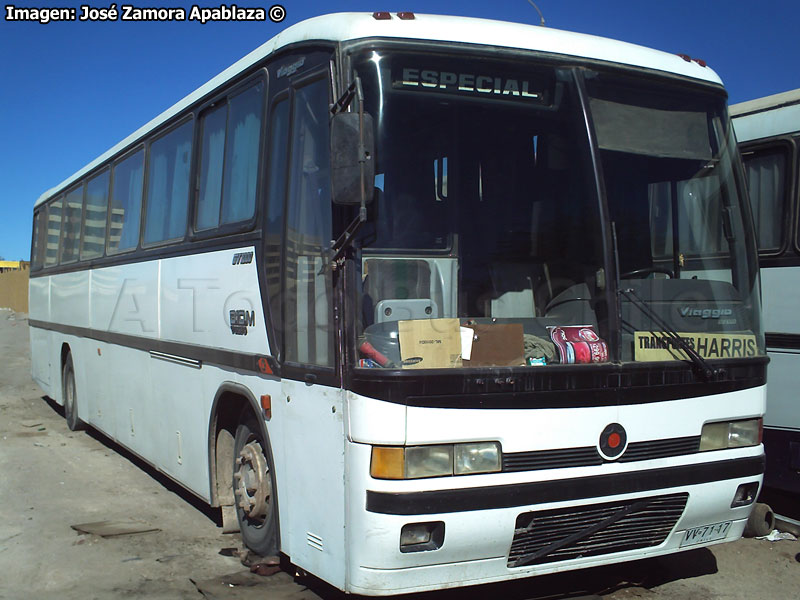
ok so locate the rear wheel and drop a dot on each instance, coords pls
(70, 396)
(254, 488)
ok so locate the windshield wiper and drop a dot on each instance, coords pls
(701, 365)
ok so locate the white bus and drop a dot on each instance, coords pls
(423, 301)
(768, 130)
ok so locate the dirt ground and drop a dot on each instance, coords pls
(52, 479)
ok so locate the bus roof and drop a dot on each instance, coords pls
(766, 103)
(766, 117)
(342, 27)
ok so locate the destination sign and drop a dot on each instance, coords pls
(650, 346)
(493, 85)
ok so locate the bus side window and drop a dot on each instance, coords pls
(94, 217)
(766, 184)
(230, 159)
(71, 234)
(53, 231)
(168, 163)
(126, 203)
(308, 326)
(39, 238)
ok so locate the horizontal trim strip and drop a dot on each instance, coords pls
(178, 360)
(787, 341)
(560, 386)
(177, 350)
(560, 490)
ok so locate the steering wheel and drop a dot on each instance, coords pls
(647, 271)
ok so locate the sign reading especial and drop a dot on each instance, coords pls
(477, 82)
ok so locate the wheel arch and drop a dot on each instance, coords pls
(229, 402)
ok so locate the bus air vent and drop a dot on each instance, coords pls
(578, 532)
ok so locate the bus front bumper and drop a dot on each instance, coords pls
(508, 531)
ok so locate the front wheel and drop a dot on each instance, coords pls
(254, 488)
(70, 397)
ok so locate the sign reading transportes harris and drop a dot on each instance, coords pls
(651, 346)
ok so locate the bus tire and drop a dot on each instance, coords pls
(70, 396)
(254, 487)
(761, 521)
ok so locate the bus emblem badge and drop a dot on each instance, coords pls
(241, 320)
(613, 441)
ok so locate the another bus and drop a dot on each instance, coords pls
(768, 130)
(423, 301)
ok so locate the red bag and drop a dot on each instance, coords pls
(579, 344)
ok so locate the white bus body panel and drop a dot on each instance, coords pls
(780, 288)
(477, 542)
(143, 400)
(39, 304)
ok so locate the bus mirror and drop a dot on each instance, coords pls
(348, 155)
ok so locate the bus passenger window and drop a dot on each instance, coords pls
(169, 161)
(241, 155)
(126, 203)
(70, 242)
(53, 231)
(94, 217)
(766, 178)
(212, 155)
(229, 160)
(37, 252)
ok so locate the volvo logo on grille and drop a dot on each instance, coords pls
(613, 441)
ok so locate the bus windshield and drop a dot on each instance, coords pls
(489, 239)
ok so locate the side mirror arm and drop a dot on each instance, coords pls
(341, 244)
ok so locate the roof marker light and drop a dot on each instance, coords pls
(686, 57)
(405, 16)
(700, 61)
(382, 15)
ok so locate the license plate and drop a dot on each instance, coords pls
(706, 533)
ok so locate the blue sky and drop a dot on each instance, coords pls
(71, 90)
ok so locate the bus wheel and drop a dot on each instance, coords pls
(70, 397)
(254, 488)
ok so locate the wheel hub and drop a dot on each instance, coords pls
(252, 484)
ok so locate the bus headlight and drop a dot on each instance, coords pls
(482, 457)
(428, 461)
(416, 462)
(731, 434)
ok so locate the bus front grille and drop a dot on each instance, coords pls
(589, 456)
(577, 532)
(661, 448)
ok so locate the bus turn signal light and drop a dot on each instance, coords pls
(266, 405)
(387, 462)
